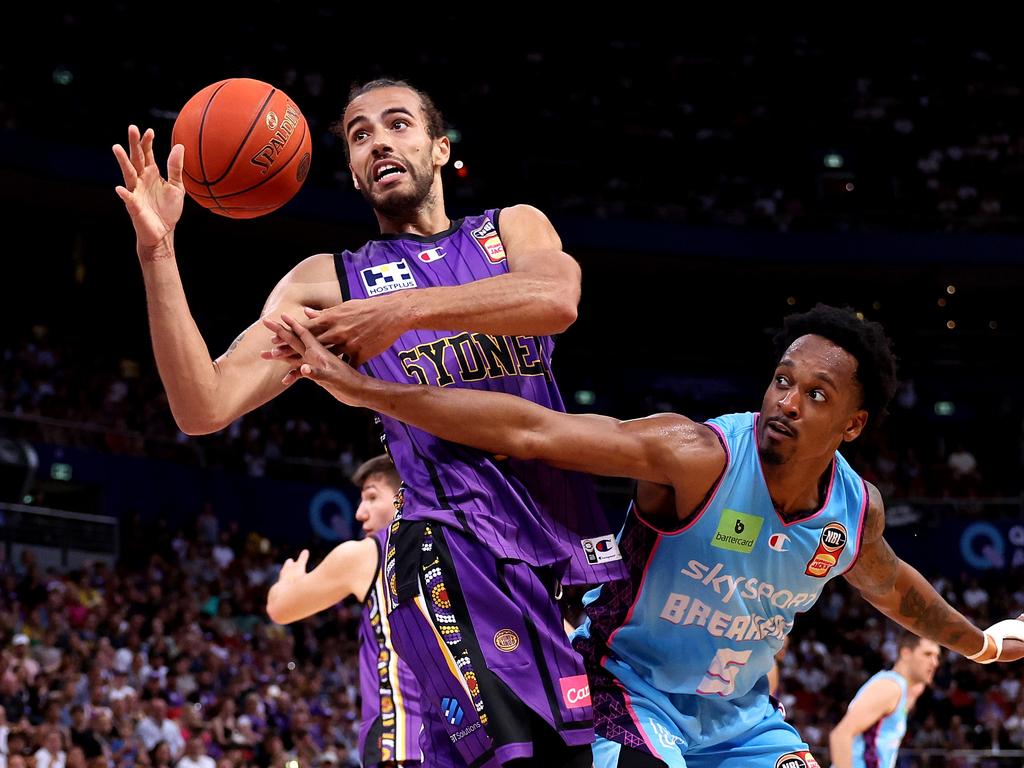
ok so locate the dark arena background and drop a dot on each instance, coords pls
(708, 183)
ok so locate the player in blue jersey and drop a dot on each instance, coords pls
(481, 545)
(870, 732)
(736, 526)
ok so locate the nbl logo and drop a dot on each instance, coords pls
(797, 760)
(830, 546)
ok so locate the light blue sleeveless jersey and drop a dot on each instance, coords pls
(879, 745)
(706, 607)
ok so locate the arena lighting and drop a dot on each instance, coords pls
(458, 165)
(454, 135)
(585, 397)
(833, 160)
(945, 408)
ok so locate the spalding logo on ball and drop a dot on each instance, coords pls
(247, 147)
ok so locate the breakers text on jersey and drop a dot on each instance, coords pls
(754, 594)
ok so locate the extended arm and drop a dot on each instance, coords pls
(349, 569)
(538, 296)
(905, 596)
(877, 700)
(204, 395)
(665, 448)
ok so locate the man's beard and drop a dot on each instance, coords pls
(404, 204)
(770, 457)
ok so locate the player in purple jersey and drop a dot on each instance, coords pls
(389, 733)
(667, 662)
(483, 544)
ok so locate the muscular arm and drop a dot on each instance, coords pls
(901, 593)
(876, 701)
(206, 395)
(666, 448)
(538, 296)
(349, 569)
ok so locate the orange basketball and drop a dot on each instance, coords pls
(247, 147)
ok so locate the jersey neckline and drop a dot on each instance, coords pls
(456, 223)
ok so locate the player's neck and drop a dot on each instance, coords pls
(798, 489)
(903, 670)
(425, 220)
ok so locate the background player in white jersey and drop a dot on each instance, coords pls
(870, 732)
(764, 511)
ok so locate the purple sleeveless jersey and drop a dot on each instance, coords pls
(390, 726)
(519, 510)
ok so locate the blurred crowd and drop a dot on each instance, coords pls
(826, 129)
(168, 659)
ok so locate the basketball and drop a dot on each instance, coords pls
(247, 147)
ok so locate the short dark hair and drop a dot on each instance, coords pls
(864, 339)
(435, 121)
(907, 640)
(378, 465)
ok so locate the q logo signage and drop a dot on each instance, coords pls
(338, 525)
(983, 546)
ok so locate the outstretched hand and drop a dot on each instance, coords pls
(295, 569)
(155, 204)
(316, 361)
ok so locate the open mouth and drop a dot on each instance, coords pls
(388, 171)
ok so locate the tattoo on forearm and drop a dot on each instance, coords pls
(235, 343)
(936, 619)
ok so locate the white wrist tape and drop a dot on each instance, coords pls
(1012, 629)
(983, 651)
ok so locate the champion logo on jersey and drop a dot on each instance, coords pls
(602, 549)
(393, 276)
(779, 542)
(431, 254)
(486, 237)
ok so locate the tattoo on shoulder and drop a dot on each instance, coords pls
(235, 343)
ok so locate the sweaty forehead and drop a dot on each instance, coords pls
(822, 355)
(374, 103)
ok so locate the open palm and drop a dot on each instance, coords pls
(155, 204)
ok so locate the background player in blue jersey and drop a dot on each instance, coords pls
(870, 732)
(469, 302)
(389, 733)
(736, 526)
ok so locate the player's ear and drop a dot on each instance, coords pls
(855, 425)
(355, 179)
(442, 151)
